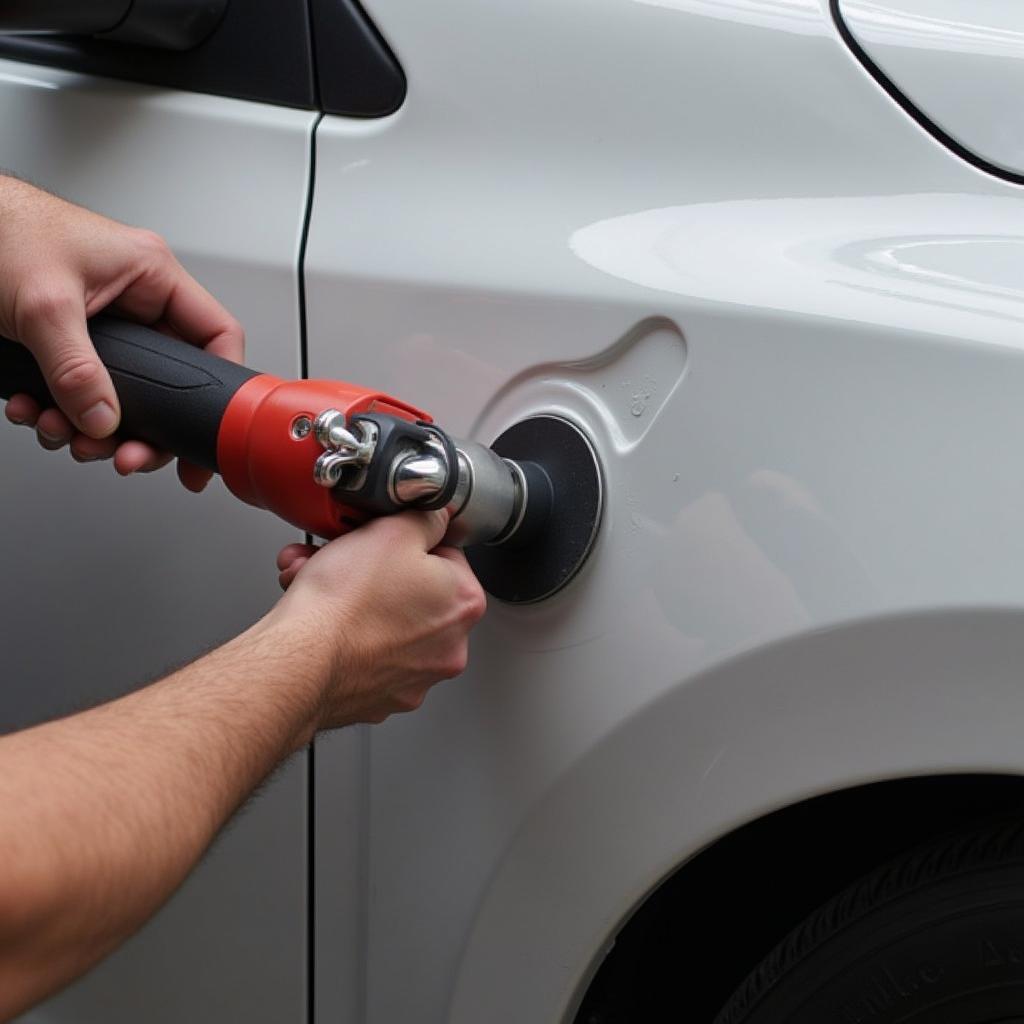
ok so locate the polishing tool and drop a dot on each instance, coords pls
(327, 455)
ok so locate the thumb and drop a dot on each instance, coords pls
(56, 335)
(429, 526)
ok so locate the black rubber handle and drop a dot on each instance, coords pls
(172, 394)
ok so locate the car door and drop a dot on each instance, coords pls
(109, 582)
(701, 231)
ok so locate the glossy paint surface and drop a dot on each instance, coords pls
(961, 62)
(109, 583)
(790, 320)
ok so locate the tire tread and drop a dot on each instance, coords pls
(993, 844)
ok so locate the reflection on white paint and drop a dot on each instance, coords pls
(706, 550)
(867, 259)
(964, 26)
(354, 165)
(995, 263)
(37, 83)
(800, 16)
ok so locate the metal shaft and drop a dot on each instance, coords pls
(489, 497)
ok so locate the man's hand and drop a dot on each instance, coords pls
(102, 814)
(390, 610)
(60, 264)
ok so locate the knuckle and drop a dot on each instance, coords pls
(75, 372)
(477, 605)
(410, 700)
(151, 243)
(48, 304)
(456, 662)
(473, 601)
(233, 328)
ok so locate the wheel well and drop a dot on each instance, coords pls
(698, 934)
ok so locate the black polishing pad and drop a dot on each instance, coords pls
(536, 569)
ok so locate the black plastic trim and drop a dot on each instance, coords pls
(168, 24)
(260, 51)
(321, 55)
(357, 73)
(62, 15)
(907, 105)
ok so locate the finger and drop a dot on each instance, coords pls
(54, 429)
(194, 314)
(286, 577)
(49, 443)
(139, 457)
(193, 478)
(456, 558)
(23, 410)
(465, 580)
(133, 456)
(173, 296)
(53, 329)
(290, 552)
(55, 425)
(426, 528)
(88, 449)
(409, 698)
(451, 554)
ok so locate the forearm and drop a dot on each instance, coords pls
(103, 814)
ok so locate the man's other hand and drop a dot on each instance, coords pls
(387, 608)
(60, 264)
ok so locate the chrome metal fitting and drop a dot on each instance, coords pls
(417, 476)
(343, 448)
(329, 467)
(331, 430)
(361, 458)
(301, 426)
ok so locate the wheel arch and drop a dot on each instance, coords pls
(809, 852)
(852, 709)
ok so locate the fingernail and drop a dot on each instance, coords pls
(52, 438)
(99, 420)
(20, 423)
(86, 458)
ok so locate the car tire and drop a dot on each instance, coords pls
(934, 937)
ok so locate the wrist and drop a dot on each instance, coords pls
(291, 668)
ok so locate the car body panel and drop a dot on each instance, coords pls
(110, 583)
(823, 450)
(789, 319)
(958, 63)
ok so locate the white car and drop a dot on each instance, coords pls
(760, 761)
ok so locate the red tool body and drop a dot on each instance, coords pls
(327, 455)
(265, 463)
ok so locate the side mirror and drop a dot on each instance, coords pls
(167, 24)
